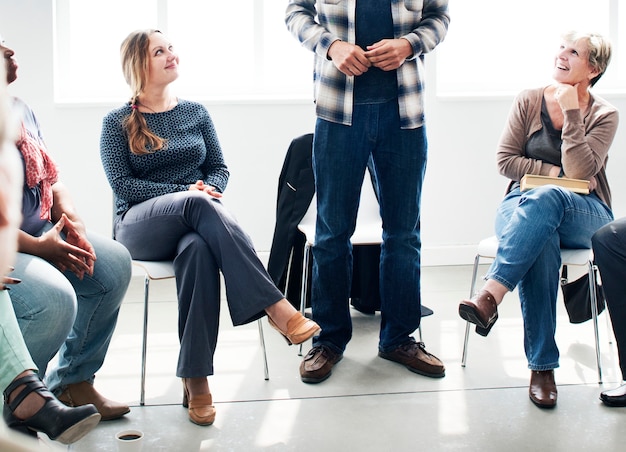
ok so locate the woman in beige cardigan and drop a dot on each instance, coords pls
(558, 130)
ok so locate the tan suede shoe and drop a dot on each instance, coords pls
(78, 394)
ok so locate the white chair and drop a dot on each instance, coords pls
(488, 247)
(368, 231)
(158, 270)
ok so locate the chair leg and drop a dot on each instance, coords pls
(144, 345)
(305, 283)
(262, 341)
(467, 324)
(594, 315)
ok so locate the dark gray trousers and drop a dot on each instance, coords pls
(203, 238)
(609, 250)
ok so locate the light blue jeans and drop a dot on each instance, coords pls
(57, 312)
(340, 156)
(532, 228)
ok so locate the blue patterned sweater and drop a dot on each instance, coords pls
(193, 153)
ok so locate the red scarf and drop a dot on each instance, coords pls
(40, 169)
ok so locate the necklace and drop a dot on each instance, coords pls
(171, 102)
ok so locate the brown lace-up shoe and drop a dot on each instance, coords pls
(83, 393)
(318, 363)
(413, 356)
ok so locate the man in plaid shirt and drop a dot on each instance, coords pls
(368, 81)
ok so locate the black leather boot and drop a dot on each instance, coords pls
(61, 423)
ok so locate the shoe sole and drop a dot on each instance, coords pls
(292, 340)
(412, 369)
(610, 403)
(541, 405)
(115, 416)
(78, 430)
(470, 315)
(311, 380)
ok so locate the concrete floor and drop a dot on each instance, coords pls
(368, 404)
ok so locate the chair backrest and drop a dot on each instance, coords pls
(369, 225)
(156, 269)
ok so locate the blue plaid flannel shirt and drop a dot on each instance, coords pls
(319, 23)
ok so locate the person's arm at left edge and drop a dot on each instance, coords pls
(389, 54)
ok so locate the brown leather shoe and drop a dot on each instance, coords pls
(318, 363)
(542, 390)
(78, 394)
(413, 356)
(200, 409)
(481, 310)
(299, 329)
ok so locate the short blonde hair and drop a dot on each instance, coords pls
(599, 50)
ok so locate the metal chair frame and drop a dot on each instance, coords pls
(488, 247)
(160, 270)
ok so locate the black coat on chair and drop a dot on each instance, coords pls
(296, 186)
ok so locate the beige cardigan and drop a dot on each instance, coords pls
(586, 141)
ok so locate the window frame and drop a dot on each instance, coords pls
(293, 84)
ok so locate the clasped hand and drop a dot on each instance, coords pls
(74, 253)
(208, 189)
(387, 55)
(566, 96)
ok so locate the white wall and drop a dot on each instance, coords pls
(462, 187)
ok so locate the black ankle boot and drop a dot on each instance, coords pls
(60, 423)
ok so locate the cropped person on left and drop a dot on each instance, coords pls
(165, 165)
(29, 407)
(73, 282)
(557, 130)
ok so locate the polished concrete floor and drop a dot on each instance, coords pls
(368, 404)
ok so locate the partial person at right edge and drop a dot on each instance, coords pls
(609, 251)
(562, 129)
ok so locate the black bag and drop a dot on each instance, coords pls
(577, 299)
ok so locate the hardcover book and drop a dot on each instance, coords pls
(530, 181)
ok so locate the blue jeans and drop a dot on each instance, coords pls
(532, 228)
(340, 156)
(57, 312)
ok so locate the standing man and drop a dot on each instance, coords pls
(369, 102)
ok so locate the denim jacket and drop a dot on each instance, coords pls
(319, 23)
